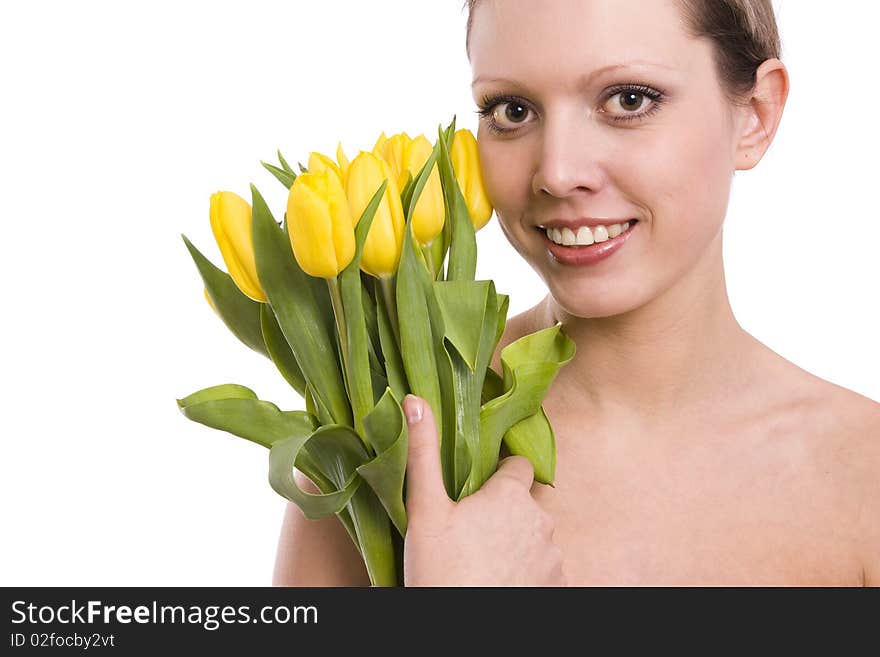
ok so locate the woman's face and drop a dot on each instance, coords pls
(584, 140)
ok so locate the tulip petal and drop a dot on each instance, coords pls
(465, 157)
(343, 162)
(341, 222)
(430, 211)
(382, 247)
(230, 218)
(311, 230)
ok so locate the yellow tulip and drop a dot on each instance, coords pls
(393, 151)
(382, 247)
(319, 162)
(429, 214)
(466, 165)
(379, 146)
(343, 162)
(407, 156)
(231, 225)
(320, 223)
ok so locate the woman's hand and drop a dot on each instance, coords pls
(498, 536)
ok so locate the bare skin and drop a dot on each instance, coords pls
(775, 487)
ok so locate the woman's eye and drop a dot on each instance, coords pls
(630, 103)
(509, 114)
(503, 114)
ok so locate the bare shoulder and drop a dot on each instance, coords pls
(848, 426)
(316, 552)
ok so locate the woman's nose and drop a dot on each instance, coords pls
(570, 158)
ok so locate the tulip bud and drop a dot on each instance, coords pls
(343, 163)
(379, 146)
(393, 150)
(429, 214)
(466, 165)
(321, 227)
(319, 162)
(382, 247)
(231, 224)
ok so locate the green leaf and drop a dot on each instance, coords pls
(301, 313)
(438, 253)
(407, 191)
(369, 303)
(222, 391)
(340, 452)
(468, 330)
(236, 409)
(280, 351)
(328, 455)
(412, 286)
(386, 431)
(394, 368)
(463, 304)
(463, 243)
(533, 438)
(360, 384)
(530, 365)
(317, 409)
(493, 386)
(286, 178)
(240, 313)
(503, 305)
(284, 163)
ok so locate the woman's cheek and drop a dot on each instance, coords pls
(506, 187)
(691, 199)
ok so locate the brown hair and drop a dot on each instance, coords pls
(743, 32)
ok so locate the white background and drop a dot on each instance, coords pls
(118, 120)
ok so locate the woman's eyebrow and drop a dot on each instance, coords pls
(588, 77)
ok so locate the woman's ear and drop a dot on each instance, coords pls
(762, 113)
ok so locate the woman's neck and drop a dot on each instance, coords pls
(678, 354)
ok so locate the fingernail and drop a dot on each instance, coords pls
(412, 408)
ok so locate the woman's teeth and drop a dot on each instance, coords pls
(584, 235)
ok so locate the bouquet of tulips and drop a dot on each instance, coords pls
(350, 299)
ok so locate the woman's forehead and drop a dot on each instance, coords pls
(542, 38)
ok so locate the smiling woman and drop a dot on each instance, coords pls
(689, 453)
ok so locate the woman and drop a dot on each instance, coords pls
(689, 453)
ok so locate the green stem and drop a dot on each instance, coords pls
(391, 305)
(339, 316)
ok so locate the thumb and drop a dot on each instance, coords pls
(424, 476)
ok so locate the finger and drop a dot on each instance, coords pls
(518, 468)
(424, 476)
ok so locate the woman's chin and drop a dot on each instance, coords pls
(584, 303)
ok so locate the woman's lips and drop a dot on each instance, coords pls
(586, 255)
